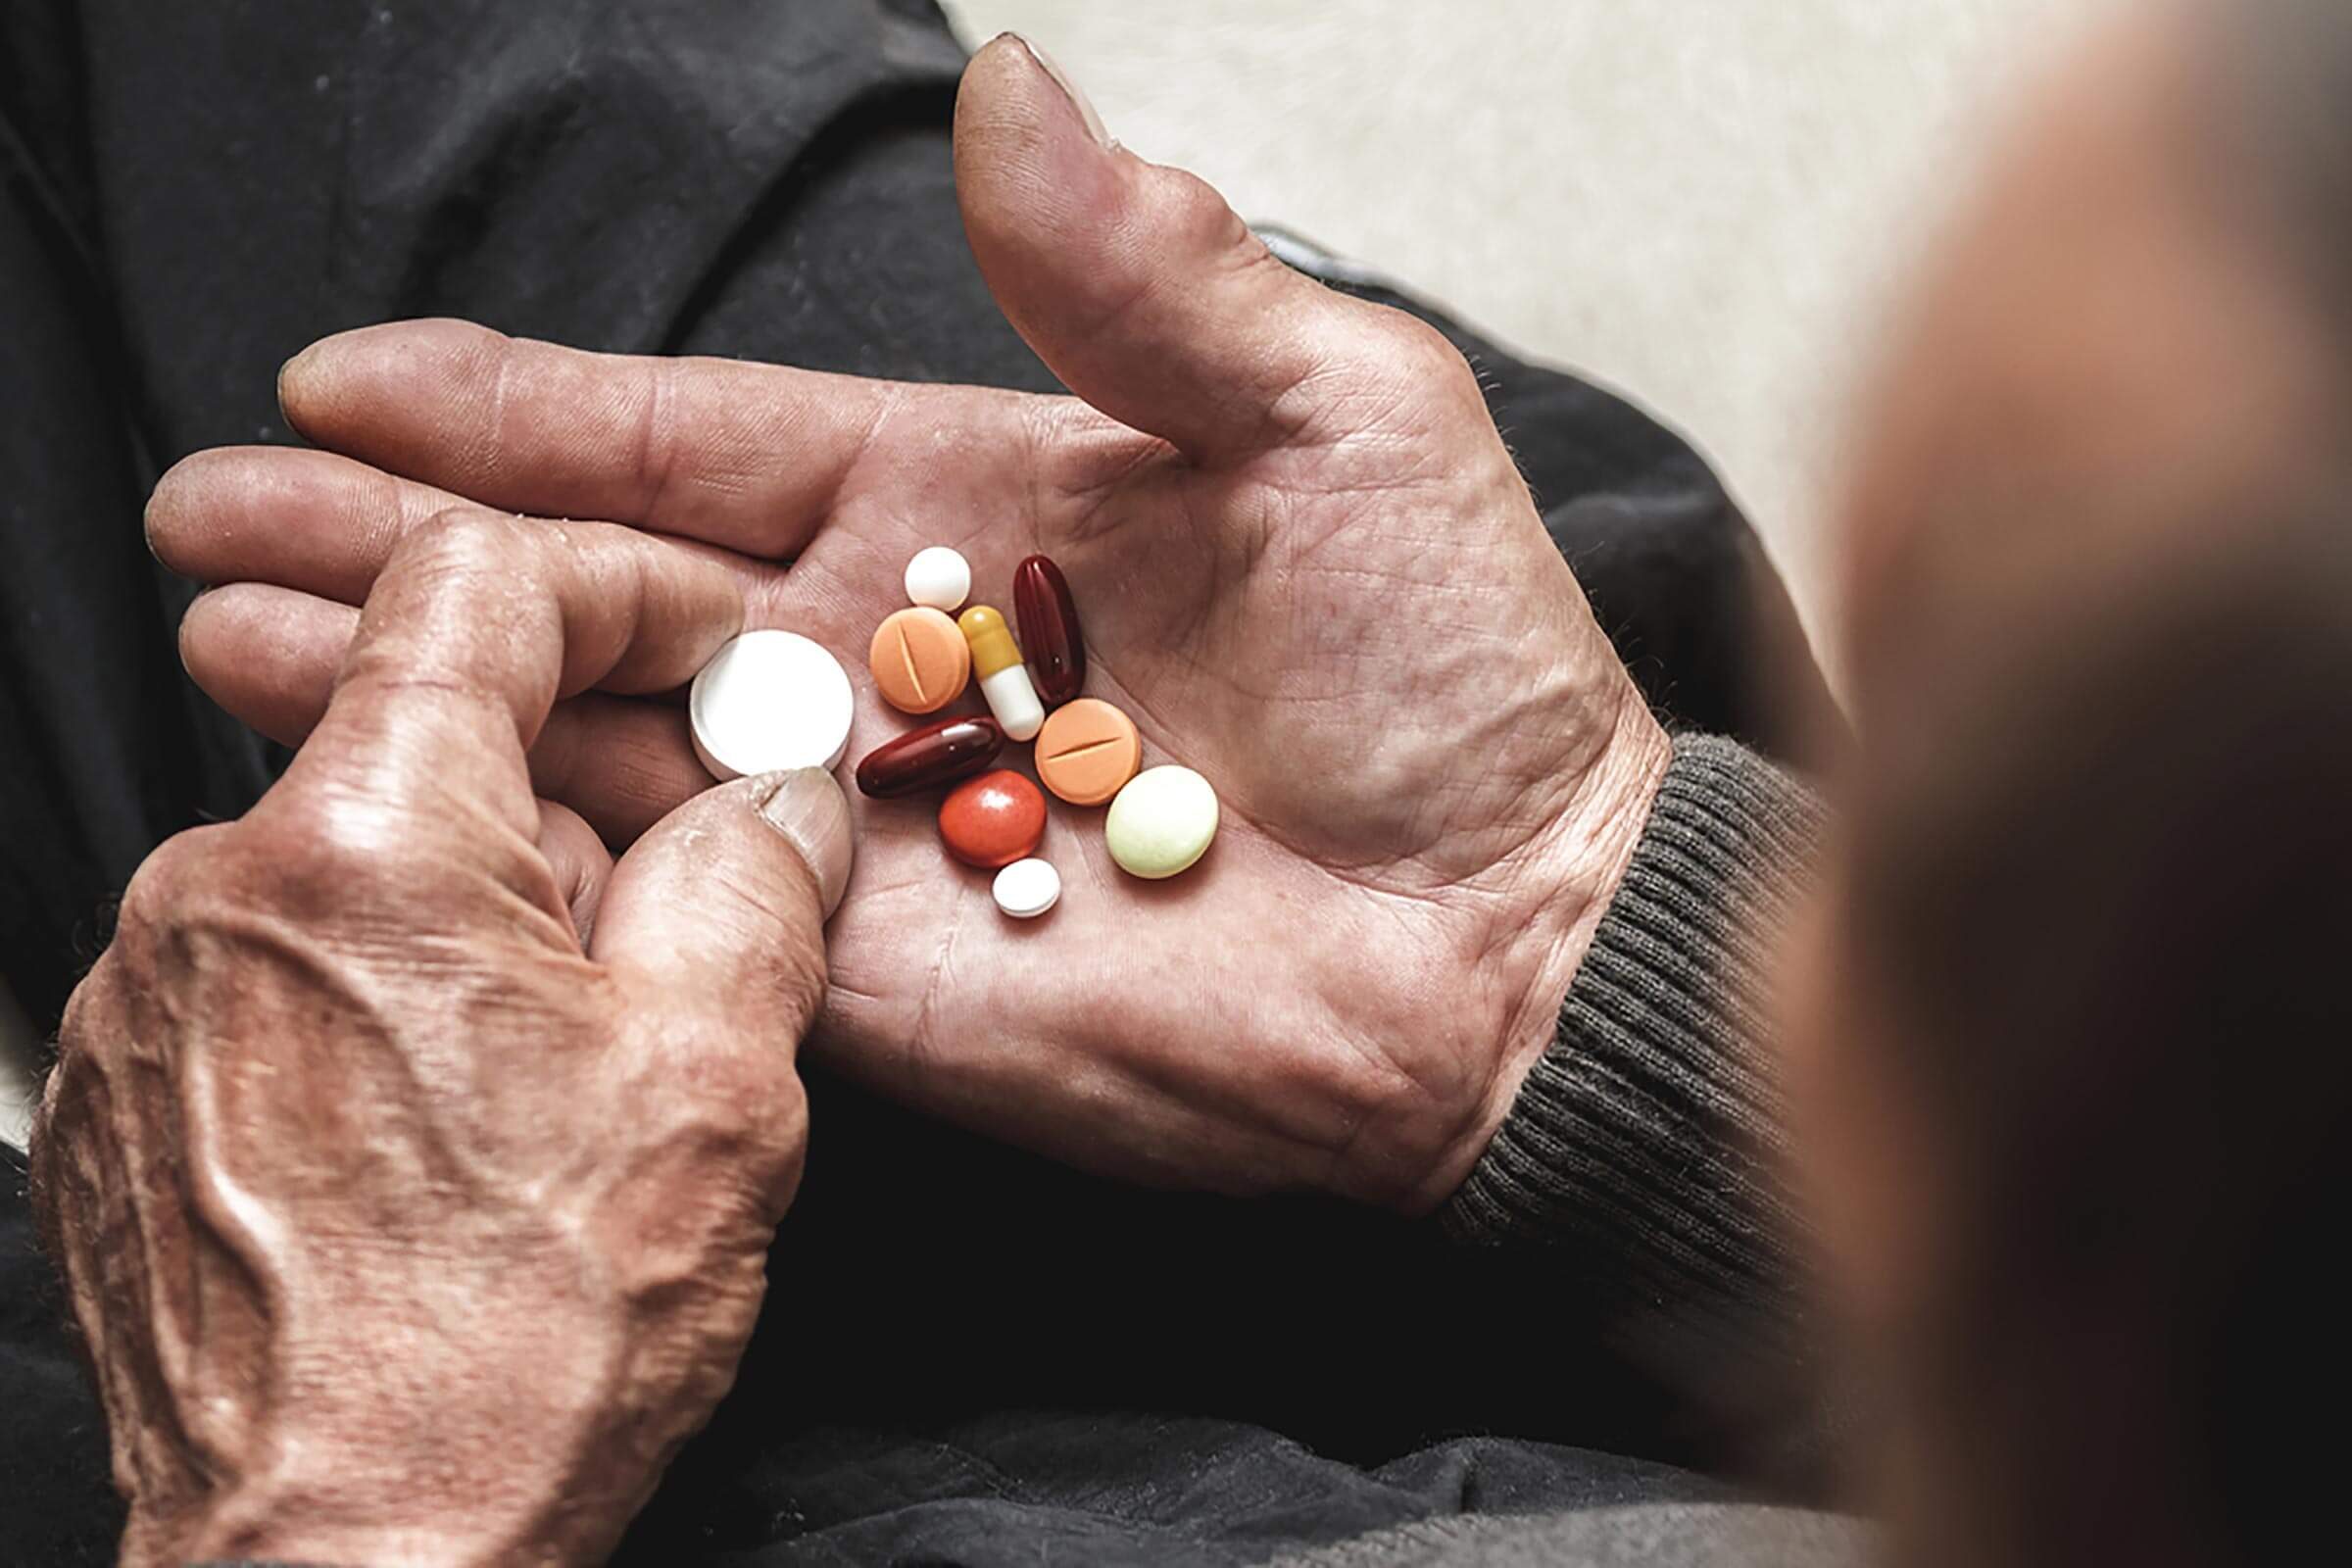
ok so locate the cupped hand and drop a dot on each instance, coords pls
(1306, 565)
(412, 1165)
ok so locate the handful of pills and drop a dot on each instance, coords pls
(764, 703)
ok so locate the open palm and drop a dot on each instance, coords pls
(1305, 563)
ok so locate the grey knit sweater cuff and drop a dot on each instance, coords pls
(1649, 1139)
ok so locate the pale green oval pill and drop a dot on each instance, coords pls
(1161, 821)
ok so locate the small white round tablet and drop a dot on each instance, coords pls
(940, 578)
(1027, 889)
(769, 699)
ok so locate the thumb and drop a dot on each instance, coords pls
(1134, 283)
(719, 909)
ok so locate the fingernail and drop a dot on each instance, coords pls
(1072, 91)
(808, 807)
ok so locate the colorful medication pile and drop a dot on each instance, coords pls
(1088, 752)
(774, 699)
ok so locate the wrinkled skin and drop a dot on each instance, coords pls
(404, 1222)
(1305, 564)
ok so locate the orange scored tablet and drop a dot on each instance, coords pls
(919, 659)
(1087, 751)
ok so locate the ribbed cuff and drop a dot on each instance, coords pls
(1651, 1139)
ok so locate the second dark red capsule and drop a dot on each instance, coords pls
(1051, 643)
(923, 758)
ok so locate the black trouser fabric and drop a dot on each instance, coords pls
(968, 1355)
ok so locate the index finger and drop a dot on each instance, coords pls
(477, 626)
(750, 457)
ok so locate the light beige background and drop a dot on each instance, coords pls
(1706, 204)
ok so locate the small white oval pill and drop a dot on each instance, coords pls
(940, 578)
(1161, 821)
(769, 699)
(1027, 889)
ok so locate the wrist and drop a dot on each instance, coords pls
(1565, 883)
(496, 1434)
(353, 1522)
(334, 1504)
(1650, 1137)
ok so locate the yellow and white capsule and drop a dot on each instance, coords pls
(1003, 679)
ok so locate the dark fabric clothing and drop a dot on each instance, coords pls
(1654, 1130)
(968, 1355)
(1611, 1534)
(57, 1505)
(1173, 1492)
(1647, 1153)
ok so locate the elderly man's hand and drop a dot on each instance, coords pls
(1305, 563)
(412, 1166)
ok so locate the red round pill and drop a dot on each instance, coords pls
(993, 820)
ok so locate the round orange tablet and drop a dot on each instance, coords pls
(919, 659)
(1087, 751)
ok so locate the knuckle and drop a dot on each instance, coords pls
(317, 855)
(464, 541)
(303, 859)
(468, 564)
(1191, 209)
(740, 1102)
(656, 457)
(160, 890)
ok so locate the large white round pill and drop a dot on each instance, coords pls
(769, 699)
(1161, 821)
(940, 578)
(1027, 889)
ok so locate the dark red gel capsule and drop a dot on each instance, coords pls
(1050, 645)
(937, 754)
